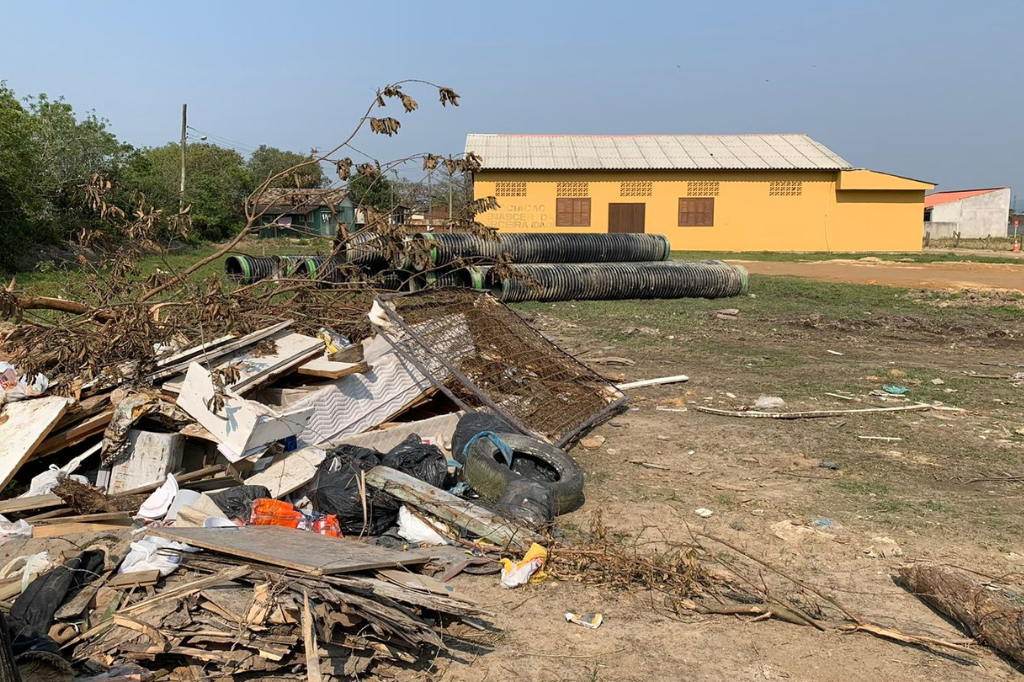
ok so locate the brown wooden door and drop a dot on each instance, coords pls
(626, 217)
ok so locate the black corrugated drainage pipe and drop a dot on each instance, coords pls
(546, 247)
(609, 281)
(366, 250)
(460, 277)
(248, 269)
(322, 268)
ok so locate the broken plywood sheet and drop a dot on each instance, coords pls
(291, 349)
(295, 549)
(290, 472)
(439, 429)
(328, 369)
(240, 425)
(23, 426)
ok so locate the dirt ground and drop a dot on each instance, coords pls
(1005, 276)
(844, 530)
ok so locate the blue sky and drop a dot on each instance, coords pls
(928, 89)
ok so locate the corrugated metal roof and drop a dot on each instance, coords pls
(951, 196)
(653, 152)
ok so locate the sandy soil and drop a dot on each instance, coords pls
(1007, 276)
(888, 503)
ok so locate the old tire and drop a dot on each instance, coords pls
(487, 473)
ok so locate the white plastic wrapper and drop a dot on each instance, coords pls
(13, 387)
(153, 553)
(11, 530)
(414, 530)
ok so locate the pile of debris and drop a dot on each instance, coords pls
(275, 502)
(514, 267)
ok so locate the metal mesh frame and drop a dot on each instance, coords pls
(485, 356)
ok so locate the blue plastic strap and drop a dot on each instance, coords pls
(504, 448)
(459, 488)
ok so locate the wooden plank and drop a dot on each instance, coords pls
(74, 435)
(137, 579)
(813, 414)
(85, 518)
(20, 504)
(309, 642)
(292, 349)
(450, 508)
(23, 426)
(207, 357)
(56, 530)
(295, 549)
(327, 369)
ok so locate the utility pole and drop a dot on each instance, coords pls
(449, 196)
(184, 126)
(430, 199)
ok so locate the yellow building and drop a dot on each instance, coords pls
(705, 192)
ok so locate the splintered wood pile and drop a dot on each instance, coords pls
(225, 615)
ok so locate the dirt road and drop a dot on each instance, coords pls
(942, 276)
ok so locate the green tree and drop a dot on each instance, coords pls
(373, 191)
(267, 161)
(47, 157)
(216, 185)
(19, 200)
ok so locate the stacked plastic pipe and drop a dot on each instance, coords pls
(545, 266)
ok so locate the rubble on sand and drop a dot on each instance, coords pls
(271, 488)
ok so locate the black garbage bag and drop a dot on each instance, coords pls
(528, 501)
(473, 423)
(236, 503)
(335, 490)
(32, 612)
(424, 461)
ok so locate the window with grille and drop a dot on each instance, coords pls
(702, 188)
(694, 212)
(785, 188)
(636, 188)
(572, 212)
(572, 189)
(510, 189)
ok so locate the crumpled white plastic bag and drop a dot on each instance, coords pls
(28, 567)
(414, 530)
(13, 387)
(10, 530)
(146, 555)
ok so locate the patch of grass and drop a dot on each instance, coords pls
(54, 281)
(854, 487)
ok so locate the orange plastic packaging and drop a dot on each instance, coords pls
(279, 513)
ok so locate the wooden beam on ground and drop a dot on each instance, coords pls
(813, 414)
(452, 509)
